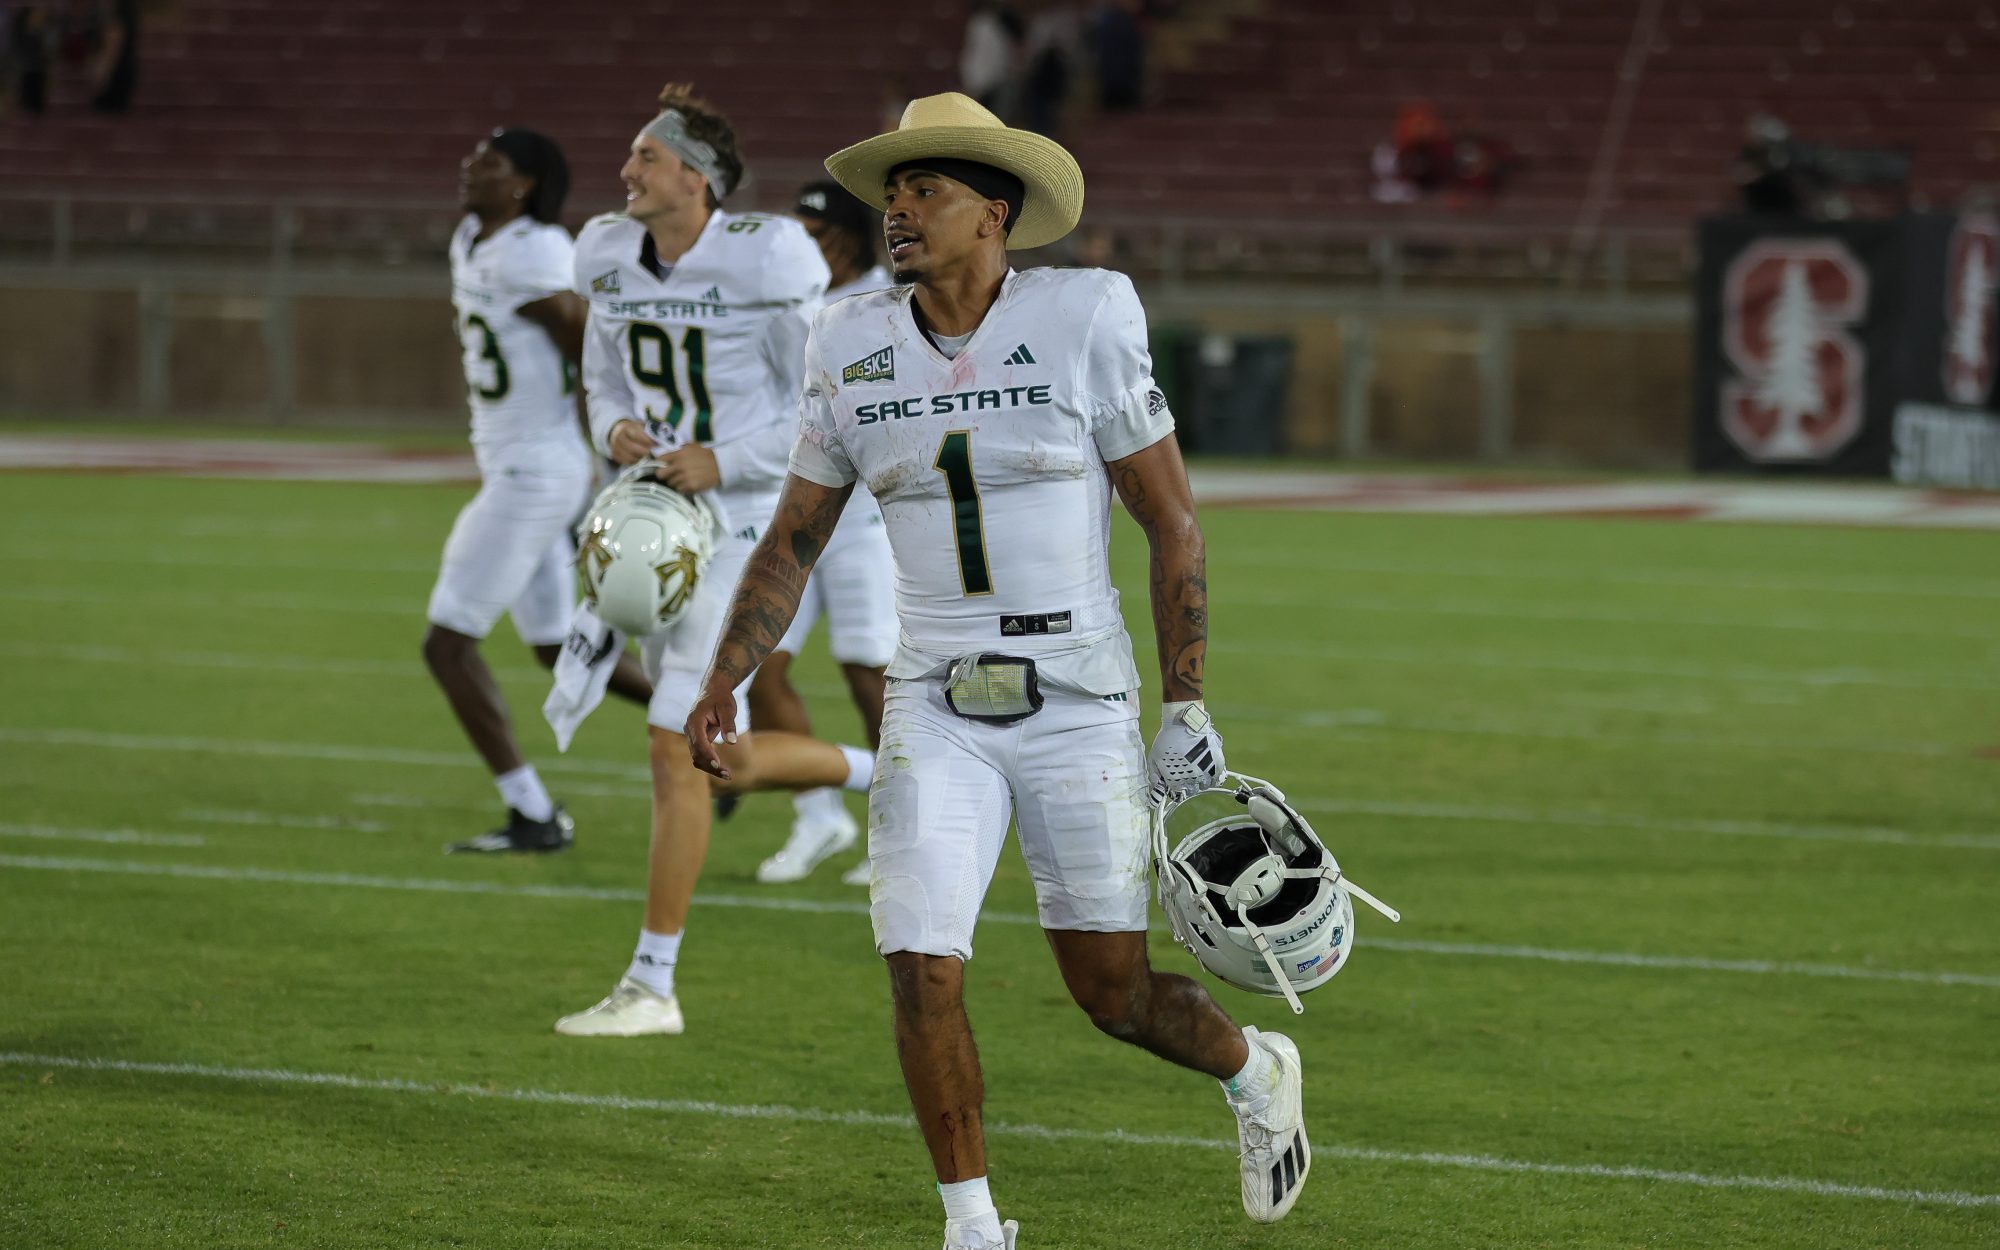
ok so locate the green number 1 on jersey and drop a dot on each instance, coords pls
(954, 460)
(660, 376)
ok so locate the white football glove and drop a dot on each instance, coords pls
(1187, 752)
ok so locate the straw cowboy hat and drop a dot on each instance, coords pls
(954, 125)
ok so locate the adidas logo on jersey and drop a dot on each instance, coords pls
(605, 283)
(1021, 356)
(875, 367)
(712, 295)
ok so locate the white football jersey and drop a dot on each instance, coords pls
(990, 466)
(706, 350)
(514, 376)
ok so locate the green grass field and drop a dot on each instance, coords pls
(1694, 828)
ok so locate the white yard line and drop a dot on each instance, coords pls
(1354, 720)
(1873, 834)
(297, 750)
(1318, 601)
(411, 606)
(1899, 588)
(72, 553)
(1434, 657)
(276, 820)
(432, 1088)
(775, 902)
(127, 837)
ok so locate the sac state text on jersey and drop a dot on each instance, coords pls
(954, 403)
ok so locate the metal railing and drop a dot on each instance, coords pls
(61, 229)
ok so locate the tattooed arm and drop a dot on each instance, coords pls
(1153, 484)
(767, 598)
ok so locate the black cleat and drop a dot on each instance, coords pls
(522, 834)
(725, 805)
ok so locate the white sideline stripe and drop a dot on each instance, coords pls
(209, 816)
(210, 872)
(1039, 1132)
(129, 837)
(1609, 820)
(296, 750)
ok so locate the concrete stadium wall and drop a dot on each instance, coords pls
(1517, 378)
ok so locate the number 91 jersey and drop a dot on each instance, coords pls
(989, 466)
(707, 349)
(514, 377)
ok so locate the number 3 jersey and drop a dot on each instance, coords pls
(989, 465)
(514, 377)
(706, 349)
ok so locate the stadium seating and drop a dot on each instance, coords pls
(1271, 114)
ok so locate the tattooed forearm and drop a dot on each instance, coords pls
(774, 578)
(1180, 607)
(1154, 487)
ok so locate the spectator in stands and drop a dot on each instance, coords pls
(1055, 35)
(1118, 37)
(1480, 165)
(1765, 175)
(31, 38)
(115, 66)
(989, 65)
(1424, 155)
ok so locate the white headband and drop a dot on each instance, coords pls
(670, 128)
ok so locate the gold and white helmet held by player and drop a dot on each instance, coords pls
(643, 548)
(1255, 895)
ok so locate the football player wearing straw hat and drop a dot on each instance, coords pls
(994, 414)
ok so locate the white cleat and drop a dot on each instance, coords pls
(631, 1010)
(862, 874)
(960, 1237)
(812, 843)
(1275, 1155)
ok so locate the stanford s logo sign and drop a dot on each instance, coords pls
(1786, 308)
(1972, 284)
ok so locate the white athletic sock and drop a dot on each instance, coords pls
(653, 963)
(860, 771)
(1251, 1088)
(971, 1203)
(821, 806)
(523, 791)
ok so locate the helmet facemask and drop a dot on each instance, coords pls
(1255, 895)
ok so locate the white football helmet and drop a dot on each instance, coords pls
(1255, 896)
(642, 549)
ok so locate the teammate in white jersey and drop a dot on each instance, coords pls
(993, 414)
(693, 355)
(509, 551)
(852, 584)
